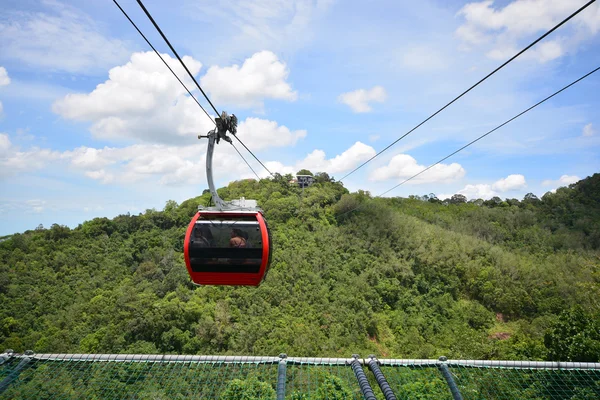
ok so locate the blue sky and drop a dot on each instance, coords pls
(92, 124)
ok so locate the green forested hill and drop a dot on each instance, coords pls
(412, 278)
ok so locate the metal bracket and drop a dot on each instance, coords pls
(225, 123)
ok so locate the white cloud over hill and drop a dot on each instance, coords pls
(403, 166)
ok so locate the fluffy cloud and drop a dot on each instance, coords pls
(141, 163)
(359, 100)
(486, 191)
(511, 182)
(349, 159)
(13, 160)
(4, 79)
(317, 161)
(589, 130)
(158, 163)
(263, 133)
(5, 144)
(504, 28)
(478, 191)
(63, 39)
(141, 100)
(260, 77)
(564, 180)
(168, 165)
(403, 166)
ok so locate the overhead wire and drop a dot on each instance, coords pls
(193, 78)
(163, 60)
(249, 166)
(472, 87)
(493, 130)
(184, 86)
(484, 135)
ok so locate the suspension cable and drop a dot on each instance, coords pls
(249, 166)
(163, 60)
(192, 76)
(493, 130)
(472, 87)
(482, 136)
(176, 54)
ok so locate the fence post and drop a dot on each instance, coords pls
(373, 364)
(443, 367)
(4, 357)
(363, 382)
(281, 376)
(15, 373)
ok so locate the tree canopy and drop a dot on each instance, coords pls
(395, 277)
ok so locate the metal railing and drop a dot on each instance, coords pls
(32, 375)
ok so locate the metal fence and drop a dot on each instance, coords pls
(137, 376)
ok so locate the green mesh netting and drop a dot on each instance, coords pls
(506, 383)
(95, 379)
(427, 382)
(321, 381)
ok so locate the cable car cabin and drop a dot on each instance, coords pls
(227, 248)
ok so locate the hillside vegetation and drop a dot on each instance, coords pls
(403, 278)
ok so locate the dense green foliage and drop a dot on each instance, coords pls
(414, 278)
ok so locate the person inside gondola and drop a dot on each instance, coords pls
(237, 239)
(247, 239)
(202, 237)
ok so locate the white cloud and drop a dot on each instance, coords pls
(359, 100)
(260, 77)
(263, 24)
(478, 191)
(13, 160)
(505, 28)
(263, 133)
(403, 166)
(1, 109)
(564, 180)
(62, 39)
(5, 144)
(4, 78)
(589, 130)
(158, 163)
(511, 182)
(350, 158)
(486, 191)
(36, 205)
(317, 161)
(141, 100)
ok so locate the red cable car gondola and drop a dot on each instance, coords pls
(228, 244)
